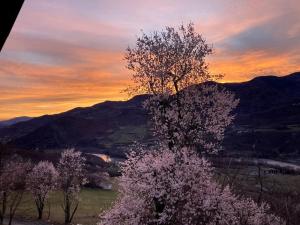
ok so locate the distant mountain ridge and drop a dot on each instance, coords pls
(267, 122)
(9, 122)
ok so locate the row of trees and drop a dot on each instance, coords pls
(18, 176)
(172, 183)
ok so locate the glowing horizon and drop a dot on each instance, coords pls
(64, 54)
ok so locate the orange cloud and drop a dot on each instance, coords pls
(240, 68)
(46, 89)
(64, 54)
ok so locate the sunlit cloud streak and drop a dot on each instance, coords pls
(63, 54)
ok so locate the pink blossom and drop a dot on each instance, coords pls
(163, 187)
(41, 180)
(172, 184)
(196, 117)
(13, 174)
(72, 176)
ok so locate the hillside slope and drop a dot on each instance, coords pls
(267, 122)
(5, 123)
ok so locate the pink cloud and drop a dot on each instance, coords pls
(63, 54)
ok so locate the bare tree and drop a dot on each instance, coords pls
(71, 177)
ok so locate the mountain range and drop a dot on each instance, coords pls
(267, 123)
(6, 123)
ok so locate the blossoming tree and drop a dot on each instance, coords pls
(13, 174)
(167, 188)
(71, 177)
(194, 118)
(41, 180)
(173, 184)
(187, 109)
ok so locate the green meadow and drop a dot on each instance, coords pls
(92, 203)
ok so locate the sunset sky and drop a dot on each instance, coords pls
(67, 53)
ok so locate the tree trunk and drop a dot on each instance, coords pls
(40, 214)
(40, 209)
(4, 197)
(10, 219)
(68, 207)
(74, 211)
(67, 211)
(49, 210)
(14, 205)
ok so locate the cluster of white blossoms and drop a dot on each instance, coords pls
(69, 177)
(163, 187)
(195, 117)
(40, 182)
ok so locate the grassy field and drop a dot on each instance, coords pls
(278, 189)
(93, 201)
